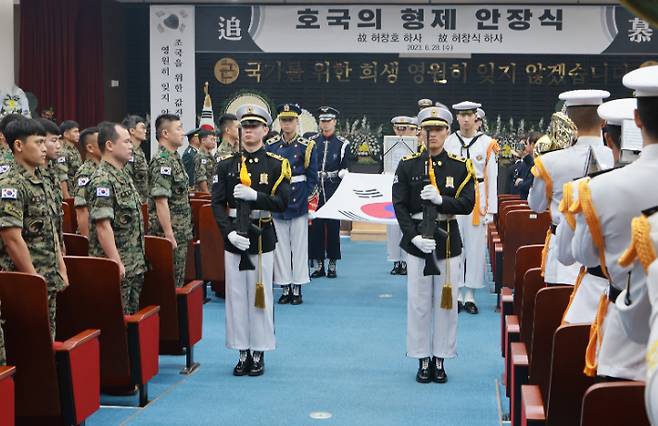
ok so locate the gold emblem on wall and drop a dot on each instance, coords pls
(227, 70)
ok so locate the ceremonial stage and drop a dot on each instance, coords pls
(340, 354)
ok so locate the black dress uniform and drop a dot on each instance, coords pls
(432, 300)
(189, 155)
(249, 304)
(324, 235)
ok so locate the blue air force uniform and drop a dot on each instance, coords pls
(291, 253)
(324, 236)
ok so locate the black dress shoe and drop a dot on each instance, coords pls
(471, 308)
(396, 268)
(403, 268)
(438, 371)
(243, 365)
(257, 364)
(460, 306)
(424, 374)
(296, 297)
(331, 272)
(319, 270)
(286, 297)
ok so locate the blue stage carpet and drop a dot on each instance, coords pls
(342, 352)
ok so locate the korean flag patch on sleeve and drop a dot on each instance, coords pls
(83, 181)
(61, 159)
(204, 161)
(9, 193)
(165, 171)
(102, 192)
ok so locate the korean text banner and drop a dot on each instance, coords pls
(424, 30)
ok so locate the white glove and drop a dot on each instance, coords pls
(311, 215)
(430, 193)
(488, 218)
(426, 245)
(342, 173)
(242, 192)
(240, 242)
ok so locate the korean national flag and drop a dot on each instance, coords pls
(165, 171)
(102, 192)
(9, 193)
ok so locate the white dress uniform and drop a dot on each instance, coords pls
(651, 390)
(482, 150)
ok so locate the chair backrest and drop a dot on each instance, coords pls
(568, 383)
(67, 220)
(526, 257)
(212, 246)
(74, 217)
(615, 403)
(76, 245)
(504, 208)
(24, 300)
(93, 300)
(525, 228)
(550, 304)
(532, 283)
(196, 204)
(160, 286)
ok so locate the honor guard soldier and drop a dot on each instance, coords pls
(137, 167)
(651, 390)
(606, 235)
(429, 189)
(251, 184)
(89, 145)
(30, 240)
(70, 160)
(117, 228)
(482, 150)
(170, 214)
(204, 162)
(567, 161)
(324, 235)
(190, 153)
(51, 173)
(292, 225)
(402, 126)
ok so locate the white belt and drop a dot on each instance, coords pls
(298, 178)
(439, 217)
(255, 214)
(330, 175)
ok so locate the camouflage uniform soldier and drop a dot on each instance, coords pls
(89, 145)
(170, 214)
(30, 240)
(114, 209)
(70, 160)
(137, 167)
(6, 157)
(50, 173)
(204, 162)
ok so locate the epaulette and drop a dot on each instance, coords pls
(411, 156)
(303, 140)
(457, 157)
(342, 139)
(273, 155)
(272, 140)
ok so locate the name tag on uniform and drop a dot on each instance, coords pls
(132, 159)
(83, 181)
(165, 171)
(263, 179)
(204, 161)
(450, 182)
(9, 193)
(215, 179)
(102, 192)
(61, 159)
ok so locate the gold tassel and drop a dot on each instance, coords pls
(260, 288)
(446, 291)
(595, 337)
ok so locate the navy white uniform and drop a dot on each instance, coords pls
(324, 235)
(292, 224)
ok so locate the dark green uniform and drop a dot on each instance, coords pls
(112, 195)
(204, 168)
(79, 191)
(138, 169)
(168, 179)
(69, 162)
(51, 174)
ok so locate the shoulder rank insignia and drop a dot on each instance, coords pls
(278, 157)
(411, 156)
(457, 157)
(303, 141)
(225, 157)
(272, 140)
